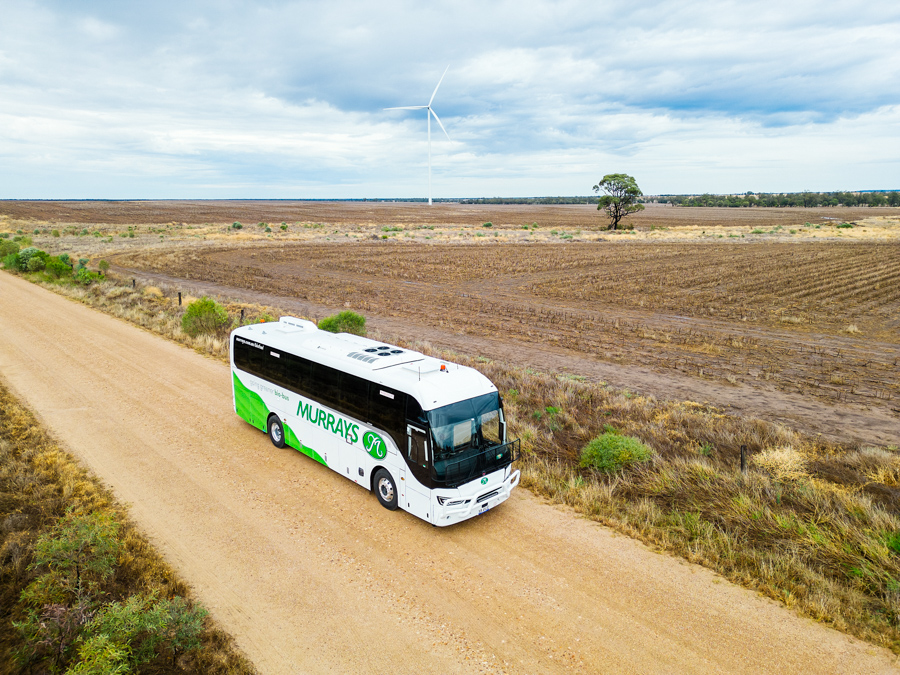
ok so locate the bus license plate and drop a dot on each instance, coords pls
(484, 508)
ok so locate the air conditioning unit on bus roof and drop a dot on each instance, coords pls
(291, 324)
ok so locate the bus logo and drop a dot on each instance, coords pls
(374, 445)
(484, 480)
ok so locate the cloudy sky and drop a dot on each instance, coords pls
(238, 99)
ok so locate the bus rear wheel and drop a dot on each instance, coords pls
(276, 432)
(386, 489)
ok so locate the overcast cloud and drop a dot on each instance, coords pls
(114, 99)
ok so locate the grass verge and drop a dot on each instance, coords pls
(39, 485)
(813, 524)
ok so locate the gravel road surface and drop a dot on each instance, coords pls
(311, 575)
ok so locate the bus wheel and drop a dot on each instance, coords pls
(385, 489)
(276, 432)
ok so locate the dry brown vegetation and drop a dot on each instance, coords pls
(39, 483)
(813, 524)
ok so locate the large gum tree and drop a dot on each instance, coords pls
(620, 195)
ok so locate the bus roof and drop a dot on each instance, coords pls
(433, 382)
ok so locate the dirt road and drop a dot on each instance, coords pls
(312, 576)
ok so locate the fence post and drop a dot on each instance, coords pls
(743, 459)
(179, 298)
(133, 283)
(242, 316)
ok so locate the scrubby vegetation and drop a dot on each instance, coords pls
(82, 591)
(344, 322)
(204, 317)
(610, 452)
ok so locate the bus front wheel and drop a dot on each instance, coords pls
(276, 432)
(386, 489)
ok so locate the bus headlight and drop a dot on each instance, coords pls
(443, 501)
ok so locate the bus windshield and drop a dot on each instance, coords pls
(462, 432)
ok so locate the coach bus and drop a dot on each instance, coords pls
(426, 435)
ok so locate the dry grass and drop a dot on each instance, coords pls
(38, 483)
(813, 524)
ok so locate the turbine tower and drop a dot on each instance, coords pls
(436, 119)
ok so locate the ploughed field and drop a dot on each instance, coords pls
(580, 216)
(822, 320)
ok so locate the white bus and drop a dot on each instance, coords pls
(428, 436)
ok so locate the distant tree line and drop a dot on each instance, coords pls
(527, 200)
(807, 199)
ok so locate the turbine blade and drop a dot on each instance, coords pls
(438, 85)
(408, 107)
(438, 120)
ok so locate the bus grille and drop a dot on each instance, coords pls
(487, 495)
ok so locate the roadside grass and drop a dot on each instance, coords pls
(812, 524)
(39, 484)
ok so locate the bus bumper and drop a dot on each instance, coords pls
(476, 499)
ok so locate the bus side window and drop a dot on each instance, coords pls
(354, 397)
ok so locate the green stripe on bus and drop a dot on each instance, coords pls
(291, 439)
(249, 406)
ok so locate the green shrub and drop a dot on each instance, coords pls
(268, 229)
(7, 247)
(55, 233)
(4, 235)
(11, 261)
(85, 277)
(36, 231)
(36, 264)
(203, 316)
(103, 265)
(27, 254)
(488, 224)
(610, 452)
(844, 226)
(236, 226)
(284, 227)
(65, 258)
(344, 322)
(57, 268)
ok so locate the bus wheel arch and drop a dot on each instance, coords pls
(275, 429)
(385, 488)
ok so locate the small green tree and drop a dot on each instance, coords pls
(344, 322)
(104, 266)
(79, 553)
(620, 197)
(203, 316)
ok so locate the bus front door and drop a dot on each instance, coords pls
(418, 495)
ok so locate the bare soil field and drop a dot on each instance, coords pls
(577, 216)
(311, 575)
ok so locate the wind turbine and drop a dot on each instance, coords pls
(436, 119)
